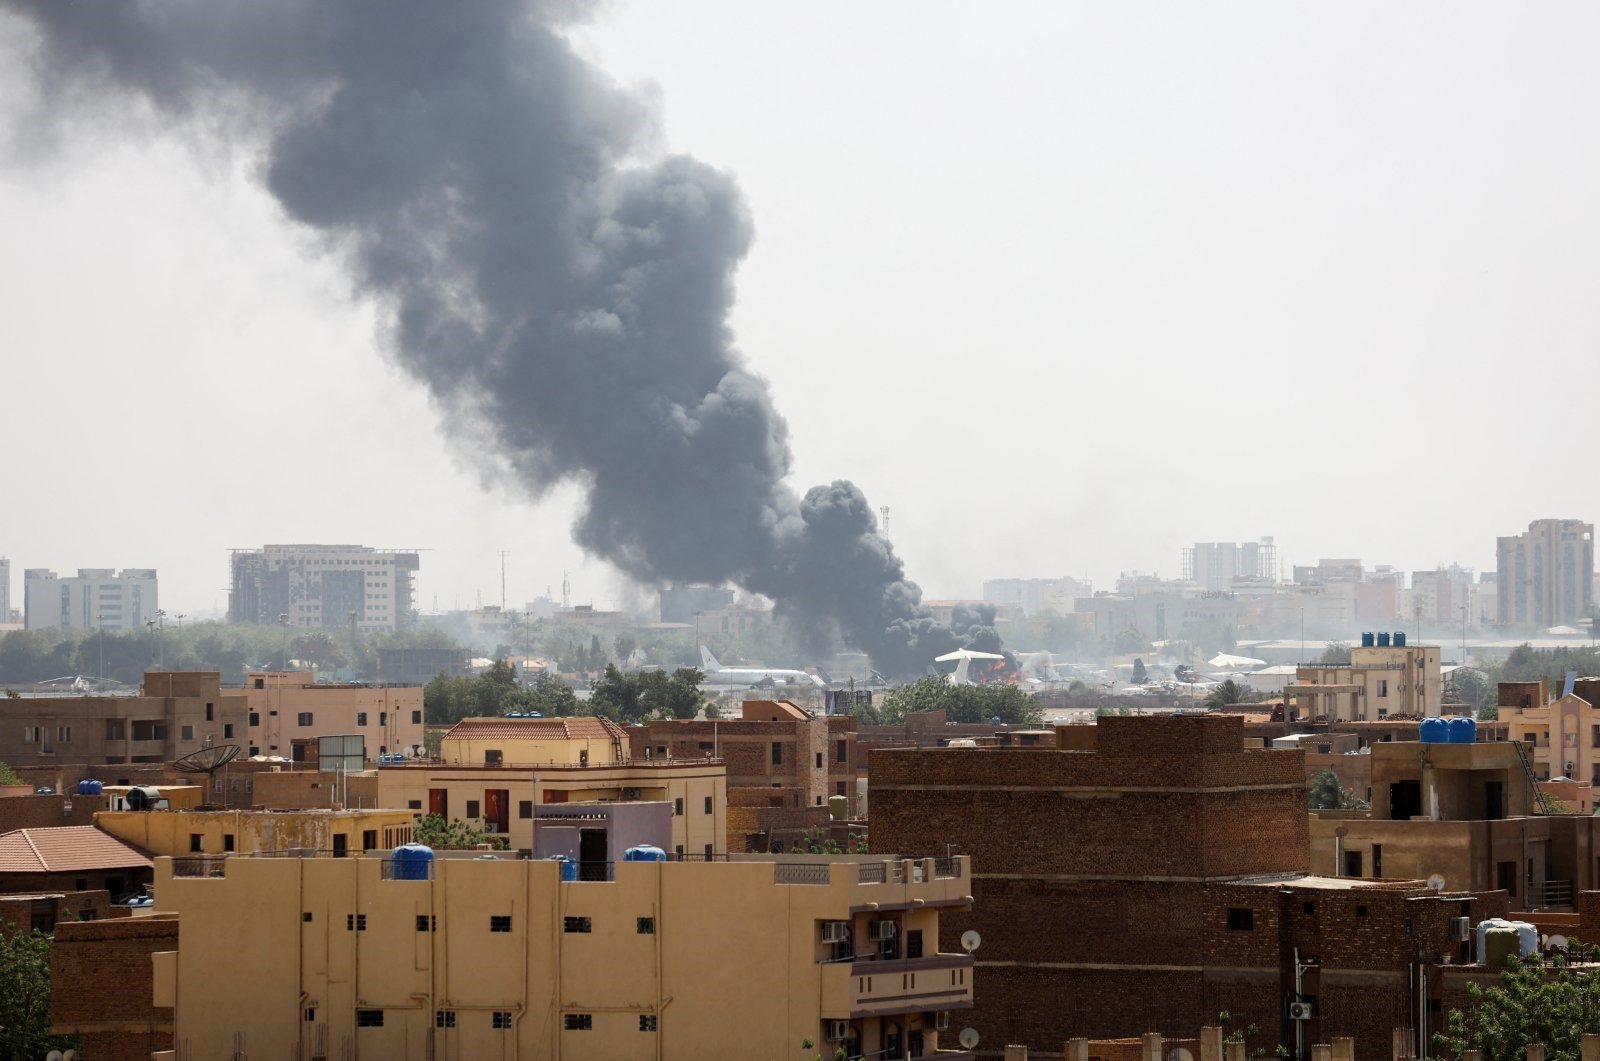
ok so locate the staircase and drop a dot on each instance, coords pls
(1533, 780)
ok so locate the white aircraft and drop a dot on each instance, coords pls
(717, 674)
(966, 656)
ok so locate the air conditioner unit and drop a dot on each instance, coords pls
(835, 931)
(884, 929)
(939, 1021)
(1301, 1011)
(1461, 929)
(838, 1030)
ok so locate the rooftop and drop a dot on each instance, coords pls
(576, 728)
(65, 849)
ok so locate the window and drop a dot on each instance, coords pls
(777, 754)
(472, 808)
(499, 922)
(708, 804)
(577, 924)
(304, 718)
(710, 853)
(306, 916)
(1241, 919)
(227, 841)
(1361, 911)
(493, 757)
(197, 842)
(261, 683)
(841, 751)
(64, 734)
(383, 718)
(416, 718)
(369, 839)
(355, 922)
(502, 1018)
(427, 923)
(210, 713)
(578, 1022)
(444, 1018)
(186, 733)
(819, 760)
(413, 804)
(646, 926)
(525, 808)
(1308, 908)
(838, 788)
(255, 718)
(1383, 686)
(369, 1018)
(677, 807)
(647, 1022)
(227, 730)
(361, 718)
(311, 1014)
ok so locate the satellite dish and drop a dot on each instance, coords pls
(970, 940)
(207, 760)
(1436, 882)
(1179, 1054)
(968, 1038)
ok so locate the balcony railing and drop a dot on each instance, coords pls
(801, 873)
(871, 988)
(200, 866)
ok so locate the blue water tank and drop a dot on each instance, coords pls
(1367, 639)
(1434, 731)
(1463, 730)
(412, 862)
(90, 787)
(569, 868)
(644, 853)
(1399, 639)
(1383, 639)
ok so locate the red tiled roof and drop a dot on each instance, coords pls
(577, 728)
(65, 849)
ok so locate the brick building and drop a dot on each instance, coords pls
(100, 974)
(69, 858)
(783, 766)
(1151, 873)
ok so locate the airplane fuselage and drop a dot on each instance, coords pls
(748, 676)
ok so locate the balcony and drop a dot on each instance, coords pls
(908, 985)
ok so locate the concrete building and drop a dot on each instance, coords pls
(332, 587)
(501, 958)
(1545, 577)
(496, 772)
(285, 707)
(175, 713)
(221, 832)
(1443, 595)
(97, 599)
(5, 590)
(1035, 595)
(1151, 873)
(1381, 679)
(1562, 735)
(1217, 565)
(783, 765)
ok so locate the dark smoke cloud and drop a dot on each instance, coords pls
(566, 305)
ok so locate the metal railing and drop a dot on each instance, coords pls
(947, 867)
(870, 873)
(200, 866)
(1550, 893)
(801, 873)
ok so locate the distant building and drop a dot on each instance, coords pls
(284, 707)
(419, 666)
(97, 599)
(1217, 565)
(1383, 679)
(1035, 595)
(1440, 595)
(324, 586)
(680, 604)
(1546, 576)
(5, 590)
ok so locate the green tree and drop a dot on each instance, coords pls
(25, 998)
(1526, 1006)
(318, 649)
(9, 776)
(1336, 654)
(617, 696)
(625, 644)
(551, 697)
(1229, 692)
(434, 831)
(1128, 641)
(1325, 793)
(961, 703)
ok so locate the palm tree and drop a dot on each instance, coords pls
(1229, 692)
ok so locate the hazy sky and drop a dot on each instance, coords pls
(1066, 287)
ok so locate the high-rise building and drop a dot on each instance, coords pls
(5, 590)
(99, 598)
(326, 586)
(1035, 595)
(1216, 565)
(1546, 576)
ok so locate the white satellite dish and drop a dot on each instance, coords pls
(1179, 1054)
(968, 1038)
(1436, 882)
(970, 940)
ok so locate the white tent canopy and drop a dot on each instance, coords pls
(1223, 660)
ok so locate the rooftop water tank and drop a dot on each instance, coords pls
(1500, 945)
(838, 808)
(1433, 731)
(1399, 639)
(1463, 730)
(569, 868)
(644, 853)
(1383, 639)
(412, 862)
(1527, 937)
(1367, 639)
(90, 787)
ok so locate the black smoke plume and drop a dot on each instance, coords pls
(565, 302)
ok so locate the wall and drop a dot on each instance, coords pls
(101, 976)
(392, 713)
(173, 832)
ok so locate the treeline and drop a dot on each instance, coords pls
(961, 703)
(615, 695)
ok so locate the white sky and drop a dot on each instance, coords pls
(1067, 287)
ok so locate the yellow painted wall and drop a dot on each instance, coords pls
(170, 832)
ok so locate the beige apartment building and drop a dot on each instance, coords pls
(500, 958)
(1380, 681)
(221, 832)
(1562, 734)
(175, 713)
(495, 772)
(285, 707)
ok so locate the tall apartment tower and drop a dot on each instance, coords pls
(1546, 576)
(1215, 565)
(324, 586)
(99, 598)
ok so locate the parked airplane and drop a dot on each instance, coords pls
(717, 674)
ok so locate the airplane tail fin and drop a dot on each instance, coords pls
(708, 662)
